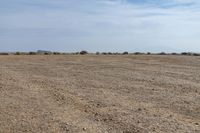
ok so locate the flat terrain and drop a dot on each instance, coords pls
(99, 94)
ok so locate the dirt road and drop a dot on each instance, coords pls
(99, 94)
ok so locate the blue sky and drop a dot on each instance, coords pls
(100, 25)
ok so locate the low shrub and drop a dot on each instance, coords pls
(32, 53)
(83, 52)
(162, 53)
(18, 53)
(4, 53)
(174, 53)
(125, 53)
(104, 53)
(184, 53)
(196, 54)
(47, 53)
(57, 53)
(138, 53)
(109, 53)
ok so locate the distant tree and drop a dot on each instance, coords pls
(97, 53)
(32, 53)
(196, 54)
(186, 53)
(162, 53)
(83, 52)
(138, 53)
(125, 53)
(18, 53)
(4, 53)
(174, 54)
(57, 53)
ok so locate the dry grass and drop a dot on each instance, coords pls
(99, 94)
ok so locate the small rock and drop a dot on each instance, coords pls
(105, 119)
(84, 129)
(98, 120)
(170, 115)
(96, 114)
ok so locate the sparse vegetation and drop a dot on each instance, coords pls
(20, 53)
(4, 53)
(39, 52)
(109, 53)
(184, 53)
(47, 53)
(83, 52)
(162, 53)
(174, 53)
(196, 54)
(125, 53)
(32, 53)
(138, 53)
(57, 53)
(104, 53)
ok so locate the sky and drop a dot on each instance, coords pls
(100, 25)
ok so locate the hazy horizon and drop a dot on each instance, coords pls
(100, 25)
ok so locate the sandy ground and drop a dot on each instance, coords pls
(99, 94)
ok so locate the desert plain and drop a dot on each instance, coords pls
(99, 94)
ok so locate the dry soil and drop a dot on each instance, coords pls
(99, 94)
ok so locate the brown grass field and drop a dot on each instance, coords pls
(99, 94)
